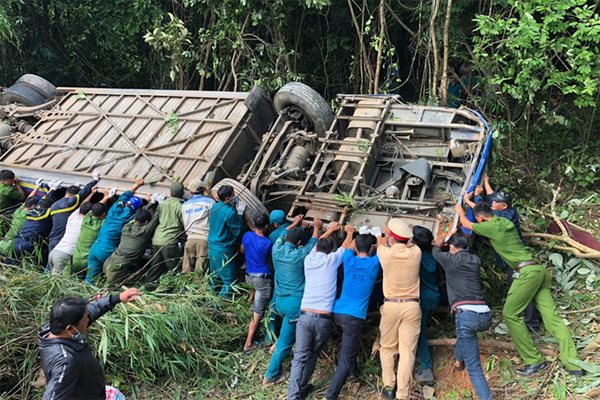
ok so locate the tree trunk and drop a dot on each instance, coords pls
(444, 83)
(363, 58)
(432, 37)
(380, 47)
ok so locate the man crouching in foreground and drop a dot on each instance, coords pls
(70, 368)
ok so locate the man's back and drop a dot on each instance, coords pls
(196, 216)
(225, 227)
(400, 264)
(37, 225)
(170, 223)
(320, 272)
(134, 239)
(360, 274)
(504, 239)
(72, 230)
(463, 278)
(90, 226)
(288, 261)
(9, 196)
(118, 215)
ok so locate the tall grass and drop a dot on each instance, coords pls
(180, 333)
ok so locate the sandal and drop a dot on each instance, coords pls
(459, 365)
(251, 349)
(280, 379)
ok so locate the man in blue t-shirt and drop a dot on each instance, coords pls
(350, 310)
(256, 247)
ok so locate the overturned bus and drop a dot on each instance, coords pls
(374, 158)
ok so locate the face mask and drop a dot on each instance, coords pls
(78, 336)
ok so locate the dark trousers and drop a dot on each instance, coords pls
(312, 333)
(165, 259)
(351, 331)
(531, 315)
(468, 323)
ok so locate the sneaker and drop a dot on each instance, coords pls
(425, 377)
(388, 393)
(529, 370)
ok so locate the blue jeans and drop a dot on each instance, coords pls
(468, 323)
(352, 329)
(289, 308)
(428, 307)
(312, 332)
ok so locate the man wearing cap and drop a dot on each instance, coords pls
(196, 217)
(63, 208)
(279, 224)
(400, 313)
(166, 251)
(501, 205)
(223, 239)
(532, 283)
(109, 234)
(11, 191)
(472, 314)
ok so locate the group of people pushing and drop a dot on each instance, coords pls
(293, 270)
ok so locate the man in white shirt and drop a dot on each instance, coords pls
(315, 322)
(196, 214)
(60, 256)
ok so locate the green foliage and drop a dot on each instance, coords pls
(541, 48)
(7, 32)
(180, 332)
(580, 167)
(174, 39)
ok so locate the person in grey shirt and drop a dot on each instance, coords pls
(315, 322)
(472, 314)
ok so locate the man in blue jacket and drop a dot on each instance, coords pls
(61, 209)
(38, 224)
(109, 235)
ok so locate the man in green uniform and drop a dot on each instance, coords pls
(223, 237)
(11, 191)
(17, 221)
(166, 253)
(132, 246)
(90, 226)
(531, 283)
